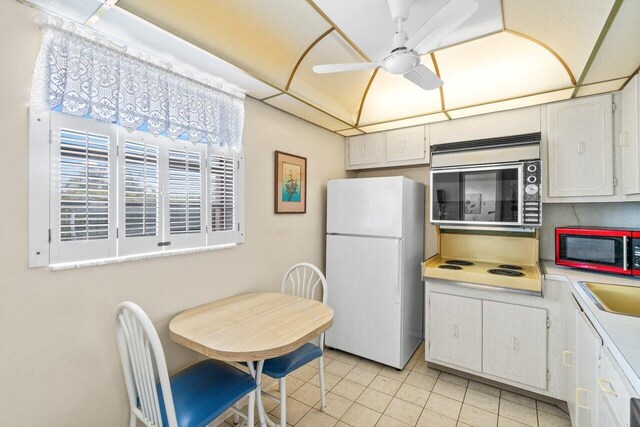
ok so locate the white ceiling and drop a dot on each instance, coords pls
(511, 54)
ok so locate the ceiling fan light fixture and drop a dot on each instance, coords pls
(401, 62)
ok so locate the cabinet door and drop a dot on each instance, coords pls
(614, 389)
(515, 343)
(455, 330)
(580, 147)
(365, 150)
(629, 138)
(588, 345)
(406, 145)
(606, 416)
(571, 307)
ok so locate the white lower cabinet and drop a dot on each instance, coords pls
(455, 330)
(614, 392)
(588, 344)
(514, 343)
(606, 416)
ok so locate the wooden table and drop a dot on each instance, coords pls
(250, 328)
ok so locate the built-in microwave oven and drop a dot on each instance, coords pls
(609, 250)
(503, 195)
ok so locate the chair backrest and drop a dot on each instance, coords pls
(302, 280)
(142, 358)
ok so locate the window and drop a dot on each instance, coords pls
(116, 192)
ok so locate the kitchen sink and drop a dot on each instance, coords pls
(617, 299)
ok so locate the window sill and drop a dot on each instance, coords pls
(115, 260)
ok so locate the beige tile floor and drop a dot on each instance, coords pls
(365, 393)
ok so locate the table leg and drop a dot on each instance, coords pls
(257, 374)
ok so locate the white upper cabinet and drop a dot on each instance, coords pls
(406, 145)
(365, 150)
(630, 138)
(580, 147)
(400, 147)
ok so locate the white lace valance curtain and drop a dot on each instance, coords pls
(82, 73)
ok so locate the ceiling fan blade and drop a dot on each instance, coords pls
(444, 22)
(339, 68)
(424, 77)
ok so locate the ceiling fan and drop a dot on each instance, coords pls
(405, 54)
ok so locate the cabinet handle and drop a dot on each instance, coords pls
(611, 390)
(578, 390)
(580, 147)
(564, 359)
(455, 331)
(516, 344)
(362, 148)
(624, 142)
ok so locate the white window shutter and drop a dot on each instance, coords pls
(139, 203)
(83, 183)
(184, 195)
(225, 209)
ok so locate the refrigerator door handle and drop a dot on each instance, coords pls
(399, 281)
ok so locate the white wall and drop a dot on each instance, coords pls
(58, 360)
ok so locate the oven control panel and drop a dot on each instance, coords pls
(635, 253)
(531, 194)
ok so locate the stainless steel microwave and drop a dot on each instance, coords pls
(503, 195)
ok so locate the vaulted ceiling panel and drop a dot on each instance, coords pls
(264, 37)
(500, 66)
(338, 93)
(511, 104)
(130, 29)
(619, 54)
(413, 121)
(392, 97)
(569, 27)
(595, 88)
(350, 132)
(298, 108)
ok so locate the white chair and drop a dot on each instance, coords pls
(302, 280)
(193, 397)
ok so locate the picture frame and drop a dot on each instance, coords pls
(290, 185)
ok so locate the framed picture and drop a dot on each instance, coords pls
(290, 184)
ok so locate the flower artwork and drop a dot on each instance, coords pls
(290, 183)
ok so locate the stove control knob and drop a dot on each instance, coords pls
(531, 178)
(532, 168)
(531, 189)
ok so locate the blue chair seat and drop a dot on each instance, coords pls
(202, 392)
(279, 367)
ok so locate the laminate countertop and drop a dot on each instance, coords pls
(620, 333)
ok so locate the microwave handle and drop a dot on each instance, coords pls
(625, 261)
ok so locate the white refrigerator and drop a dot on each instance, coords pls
(375, 235)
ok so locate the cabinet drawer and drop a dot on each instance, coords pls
(455, 330)
(515, 343)
(614, 388)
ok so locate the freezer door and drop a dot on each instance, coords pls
(363, 278)
(365, 206)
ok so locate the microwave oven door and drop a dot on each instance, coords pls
(488, 195)
(601, 250)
